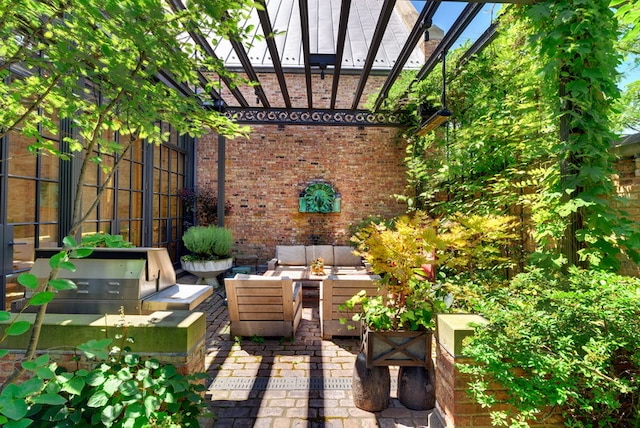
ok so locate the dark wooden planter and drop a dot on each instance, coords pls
(411, 351)
(397, 348)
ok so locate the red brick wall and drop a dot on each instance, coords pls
(628, 183)
(266, 173)
(456, 406)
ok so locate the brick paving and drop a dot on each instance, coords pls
(281, 383)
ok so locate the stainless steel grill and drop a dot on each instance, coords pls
(142, 280)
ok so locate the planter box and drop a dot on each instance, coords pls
(397, 348)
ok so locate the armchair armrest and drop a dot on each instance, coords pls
(271, 264)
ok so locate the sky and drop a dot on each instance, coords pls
(449, 11)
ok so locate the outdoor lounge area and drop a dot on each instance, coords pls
(304, 381)
(310, 213)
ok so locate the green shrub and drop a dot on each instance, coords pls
(568, 343)
(122, 391)
(208, 242)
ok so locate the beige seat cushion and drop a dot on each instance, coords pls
(343, 256)
(324, 251)
(292, 255)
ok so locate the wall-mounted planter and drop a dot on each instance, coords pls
(319, 198)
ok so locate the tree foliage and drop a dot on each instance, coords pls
(104, 66)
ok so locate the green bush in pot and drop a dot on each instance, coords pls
(207, 243)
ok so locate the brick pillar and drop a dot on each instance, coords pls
(454, 404)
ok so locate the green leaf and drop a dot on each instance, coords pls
(42, 360)
(28, 280)
(56, 259)
(128, 388)
(22, 423)
(69, 242)
(18, 328)
(41, 298)
(13, 408)
(74, 385)
(111, 386)
(98, 399)
(3, 353)
(30, 387)
(62, 284)
(45, 373)
(111, 413)
(81, 253)
(151, 404)
(49, 399)
(67, 266)
(95, 378)
(134, 410)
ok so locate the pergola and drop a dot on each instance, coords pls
(251, 61)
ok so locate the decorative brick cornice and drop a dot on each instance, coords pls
(262, 116)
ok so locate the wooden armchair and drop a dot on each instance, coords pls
(336, 290)
(263, 306)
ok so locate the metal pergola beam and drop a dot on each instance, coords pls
(483, 41)
(298, 116)
(304, 23)
(417, 32)
(239, 49)
(201, 41)
(381, 26)
(267, 29)
(345, 9)
(463, 21)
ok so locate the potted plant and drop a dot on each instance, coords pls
(210, 248)
(398, 322)
(317, 266)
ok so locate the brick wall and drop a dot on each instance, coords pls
(186, 363)
(627, 181)
(266, 173)
(456, 406)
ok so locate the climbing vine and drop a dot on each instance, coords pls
(576, 40)
(531, 134)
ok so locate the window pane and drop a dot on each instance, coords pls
(136, 205)
(48, 201)
(104, 226)
(134, 233)
(21, 198)
(88, 197)
(24, 238)
(106, 204)
(21, 162)
(137, 177)
(50, 167)
(124, 174)
(14, 290)
(48, 236)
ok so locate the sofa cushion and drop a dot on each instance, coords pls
(291, 255)
(343, 256)
(324, 251)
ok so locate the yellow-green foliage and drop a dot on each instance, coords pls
(398, 250)
(476, 242)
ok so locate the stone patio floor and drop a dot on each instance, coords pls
(279, 383)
